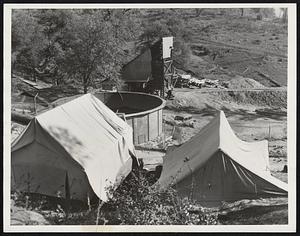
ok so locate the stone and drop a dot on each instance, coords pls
(285, 169)
(183, 117)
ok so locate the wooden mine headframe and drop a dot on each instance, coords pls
(162, 64)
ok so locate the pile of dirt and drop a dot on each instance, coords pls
(264, 98)
(239, 82)
(198, 101)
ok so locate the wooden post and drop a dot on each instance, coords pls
(163, 132)
(173, 131)
(34, 99)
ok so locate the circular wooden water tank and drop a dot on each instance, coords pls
(143, 112)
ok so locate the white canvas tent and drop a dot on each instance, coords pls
(216, 166)
(81, 147)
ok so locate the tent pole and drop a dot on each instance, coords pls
(89, 202)
(100, 204)
(186, 160)
(67, 195)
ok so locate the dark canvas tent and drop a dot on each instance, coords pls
(216, 166)
(82, 144)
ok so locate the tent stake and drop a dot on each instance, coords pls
(89, 202)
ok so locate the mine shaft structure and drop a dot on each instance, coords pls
(152, 71)
(162, 65)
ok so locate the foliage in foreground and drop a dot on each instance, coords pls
(139, 202)
(136, 202)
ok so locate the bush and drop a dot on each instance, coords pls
(137, 202)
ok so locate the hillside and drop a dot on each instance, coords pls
(221, 46)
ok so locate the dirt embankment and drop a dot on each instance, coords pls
(274, 99)
(195, 101)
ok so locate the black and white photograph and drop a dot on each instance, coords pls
(174, 117)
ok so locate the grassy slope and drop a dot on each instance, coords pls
(243, 46)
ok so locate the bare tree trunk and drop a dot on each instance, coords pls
(242, 11)
(284, 15)
(84, 89)
(85, 85)
(199, 11)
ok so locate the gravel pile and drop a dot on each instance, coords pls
(239, 82)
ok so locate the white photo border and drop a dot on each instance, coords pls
(291, 128)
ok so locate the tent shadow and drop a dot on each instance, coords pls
(69, 141)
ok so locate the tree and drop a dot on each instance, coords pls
(284, 15)
(264, 12)
(172, 24)
(27, 41)
(199, 11)
(35, 41)
(54, 25)
(268, 12)
(92, 46)
(255, 10)
(242, 11)
(82, 45)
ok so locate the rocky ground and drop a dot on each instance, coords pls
(22, 216)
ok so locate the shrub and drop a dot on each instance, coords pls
(137, 202)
